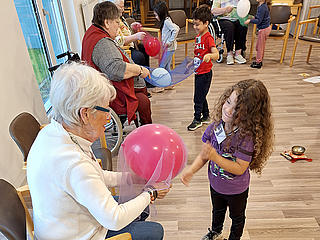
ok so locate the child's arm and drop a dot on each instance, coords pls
(214, 55)
(238, 167)
(188, 172)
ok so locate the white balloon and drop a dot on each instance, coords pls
(161, 76)
(243, 8)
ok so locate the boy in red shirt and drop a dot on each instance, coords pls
(204, 52)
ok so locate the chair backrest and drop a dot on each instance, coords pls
(178, 17)
(106, 157)
(12, 213)
(280, 14)
(24, 129)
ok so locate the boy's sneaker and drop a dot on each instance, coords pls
(194, 125)
(205, 120)
(212, 235)
(230, 60)
(256, 65)
(239, 59)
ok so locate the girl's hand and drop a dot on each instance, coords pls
(139, 35)
(207, 58)
(186, 176)
(247, 21)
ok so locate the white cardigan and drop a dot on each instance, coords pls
(69, 190)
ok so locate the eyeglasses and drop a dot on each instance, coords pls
(102, 109)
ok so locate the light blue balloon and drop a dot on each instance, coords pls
(161, 76)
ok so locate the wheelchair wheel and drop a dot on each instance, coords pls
(220, 59)
(113, 133)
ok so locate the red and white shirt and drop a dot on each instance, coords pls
(203, 45)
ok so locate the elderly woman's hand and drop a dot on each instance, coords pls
(247, 21)
(145, 72)
(228, 9)
(164, 192)
(139, 35)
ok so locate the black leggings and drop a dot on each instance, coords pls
(234, 33)
(237, 206)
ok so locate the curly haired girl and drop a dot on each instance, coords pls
(239, 139)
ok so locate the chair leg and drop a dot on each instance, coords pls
(173, 61)
(186, 49)
(294, 51)
(285, 43)
(252, 40)
(309, 53)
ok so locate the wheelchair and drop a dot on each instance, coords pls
(218, 35)
(114, 128)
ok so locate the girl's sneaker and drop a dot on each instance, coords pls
(205, 120)
(212, 235)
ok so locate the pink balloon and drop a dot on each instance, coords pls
(152, 45)
(155, 152)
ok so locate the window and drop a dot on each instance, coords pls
(45, 36)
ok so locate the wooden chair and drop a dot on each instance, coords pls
(280, 14)
(295, 6)
(128, 8)
(312, 39)
(186, 34)
(24, 129)
(15, 220)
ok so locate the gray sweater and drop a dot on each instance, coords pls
(107, 57)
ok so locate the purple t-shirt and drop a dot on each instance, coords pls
(220, 180)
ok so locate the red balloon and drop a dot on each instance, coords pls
(152, 45)
(155, 152)
(136, 27)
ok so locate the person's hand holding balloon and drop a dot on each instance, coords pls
(162, 193)
(139, 35)
(136, 27)
(247, 21)
(144, 72)
(228, 9)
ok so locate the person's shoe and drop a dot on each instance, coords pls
(256, 65)
(211, 235)
(194, 125)
(239, 59)
(230, 60)
(169, 88)
(149, 95)
(205, 120)
(157, 89)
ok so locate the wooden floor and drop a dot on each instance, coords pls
(284, 203)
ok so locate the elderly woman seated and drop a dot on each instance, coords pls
(69, 189)
(234, 32)
(100, 51)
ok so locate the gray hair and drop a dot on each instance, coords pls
(115, 1)
(75, 86)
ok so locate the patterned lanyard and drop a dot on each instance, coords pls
(73, 139)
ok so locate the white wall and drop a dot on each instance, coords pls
(18, 92)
